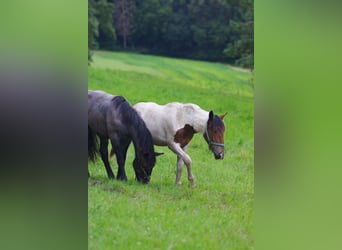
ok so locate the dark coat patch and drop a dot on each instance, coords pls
(184, 135)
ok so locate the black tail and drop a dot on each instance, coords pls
(92, 145)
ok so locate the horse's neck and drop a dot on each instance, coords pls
(136, 138)
(197, 118)
(139, 139)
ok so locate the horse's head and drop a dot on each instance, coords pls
(214, 134)
(143, 165)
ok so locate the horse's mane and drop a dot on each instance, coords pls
(141, 136)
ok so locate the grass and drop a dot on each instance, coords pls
(218, 213)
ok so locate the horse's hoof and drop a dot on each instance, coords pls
(192, 183)
(178, 183)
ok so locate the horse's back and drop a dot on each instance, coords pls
(173, 112)
(99, 95)
(98, 102)
(101, 111)
(162, 120)
(151, 111)
(152, 107)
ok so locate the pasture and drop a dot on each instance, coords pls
(218, 213)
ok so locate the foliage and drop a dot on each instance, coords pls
(101, 31)
(124, 19)
(242, 47)
(151, 18)
(188, 29)
(107, 35)
(93, 31)
(177, 32)
(218, 213)
(213, 30)
(210, 28)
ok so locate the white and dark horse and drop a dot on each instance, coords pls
(174, 124)
(112, 118)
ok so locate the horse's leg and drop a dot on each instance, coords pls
(104, 157)
(187, 160)
(180, 163)
(120, 148)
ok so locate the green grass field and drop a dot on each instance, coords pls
(218, 213)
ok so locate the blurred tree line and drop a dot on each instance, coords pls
(212, 30)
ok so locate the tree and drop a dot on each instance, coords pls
(124, 19)
(177, 33)
(101, 32)
(242, 47)
(215, 30)
(150, 20)
(107, 36)
(93, 31)
(210, 28)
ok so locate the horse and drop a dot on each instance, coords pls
(174, 124)
(113, 118)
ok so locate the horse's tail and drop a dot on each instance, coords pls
(92, 145)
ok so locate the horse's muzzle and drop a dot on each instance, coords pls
(219, 156)
(144, 180)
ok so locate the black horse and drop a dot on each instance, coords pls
(112, 118)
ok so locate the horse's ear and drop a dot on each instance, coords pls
(222, 116)
(157, 154)
(211, 115)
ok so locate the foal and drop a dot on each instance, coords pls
(174, 125)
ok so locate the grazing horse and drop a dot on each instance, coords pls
(112, 117)
(174, 125)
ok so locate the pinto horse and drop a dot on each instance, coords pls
(112, 118)
(174, 125)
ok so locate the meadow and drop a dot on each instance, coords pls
(218, 213)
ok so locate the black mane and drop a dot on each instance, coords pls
(112, 118)
(141, 136)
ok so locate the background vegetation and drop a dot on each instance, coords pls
(212, 30)
(218, 213)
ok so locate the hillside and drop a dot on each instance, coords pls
(218, 213)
